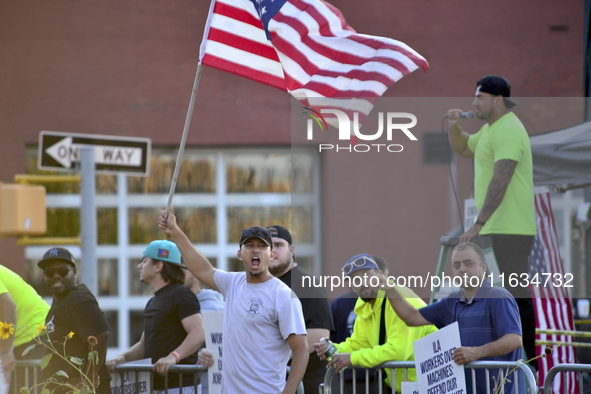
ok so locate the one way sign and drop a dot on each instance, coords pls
(59, 151)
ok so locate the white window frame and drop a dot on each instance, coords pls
(222, 250)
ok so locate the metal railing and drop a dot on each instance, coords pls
(571, 334)
(511, 367)
(182, 369)
(27, 373)
(30, 370)
(580, 368)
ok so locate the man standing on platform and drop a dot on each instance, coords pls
(503, 188)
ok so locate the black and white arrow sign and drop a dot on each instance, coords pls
(60, 151)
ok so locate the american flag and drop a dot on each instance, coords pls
(306, 48)
(552, 303)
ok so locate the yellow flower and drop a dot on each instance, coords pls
(6, 330)
(71, 334)
(41, 328)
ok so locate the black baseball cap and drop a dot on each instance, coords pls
(256, 232)
(57, 254)
(498, 86)
(280, 232)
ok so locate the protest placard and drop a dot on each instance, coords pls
(214, 322)
(131, 385)
(4, 380)
(409, 388)
(437, 373)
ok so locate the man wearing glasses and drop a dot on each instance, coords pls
(263, 323)
(75, 315)
(379, 335)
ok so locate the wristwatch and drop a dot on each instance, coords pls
(477, 221)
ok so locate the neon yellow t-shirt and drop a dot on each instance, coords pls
(505, 139)
(31, 309)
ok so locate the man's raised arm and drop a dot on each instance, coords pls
(197, 263)
(408, 313)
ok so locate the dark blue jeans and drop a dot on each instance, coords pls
(512, 255)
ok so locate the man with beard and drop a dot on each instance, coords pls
(76, 319)
(263, 323)
(379, 334)
(343, 317)
(503, 188)
(315, 304)
(488, 318)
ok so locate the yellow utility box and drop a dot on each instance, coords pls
(22, 210)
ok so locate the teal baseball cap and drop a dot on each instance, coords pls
(163, 250)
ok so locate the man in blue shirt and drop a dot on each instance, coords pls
(487, 316)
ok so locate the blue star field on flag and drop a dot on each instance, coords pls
(537, 262)
(267, 9)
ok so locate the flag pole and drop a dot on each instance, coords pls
(179, 158)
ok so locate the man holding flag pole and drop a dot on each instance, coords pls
(304, 47)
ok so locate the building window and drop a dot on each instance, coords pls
(436, 149)
(218, 193)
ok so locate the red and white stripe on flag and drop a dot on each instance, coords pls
(552, 303)
(306, 48)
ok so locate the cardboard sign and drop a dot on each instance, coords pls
(410, 387)
(214, 323)
(470, 213)
(130, 385)
(4, 380)
(437, 373)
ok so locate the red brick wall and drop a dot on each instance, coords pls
(126, 68)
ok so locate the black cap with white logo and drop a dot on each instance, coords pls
(57, 254)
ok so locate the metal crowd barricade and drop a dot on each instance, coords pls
(580, 368)
(180, 369)
(26, 373)
(30, 370)
(326, 387)
(137, 368)
(530, 380)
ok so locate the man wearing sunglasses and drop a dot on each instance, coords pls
(379, 334)
(75, 315)
(263, 322)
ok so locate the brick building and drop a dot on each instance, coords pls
(126, 68)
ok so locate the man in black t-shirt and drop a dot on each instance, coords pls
(315, 304)
(173, 326)
(76, 319)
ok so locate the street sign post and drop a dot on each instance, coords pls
(60, 151)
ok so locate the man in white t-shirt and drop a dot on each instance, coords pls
(263, 321)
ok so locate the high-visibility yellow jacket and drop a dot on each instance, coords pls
(363, 343)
